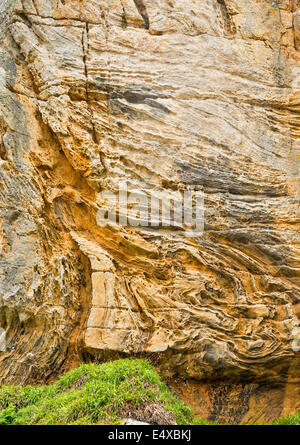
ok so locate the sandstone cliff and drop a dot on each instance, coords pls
(164, 95)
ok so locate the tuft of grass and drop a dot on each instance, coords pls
(288, 420)
(93, 394)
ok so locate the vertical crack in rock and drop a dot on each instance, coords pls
(229, 24)
(85, 50)
(141, 7)
(109, 88)
(35, 7)
(124, 17)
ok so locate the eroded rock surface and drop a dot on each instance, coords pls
(165, 95)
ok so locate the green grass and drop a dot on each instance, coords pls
(99, 394)
(93, 394)
(288, 420)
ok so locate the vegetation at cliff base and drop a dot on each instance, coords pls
(96, 394)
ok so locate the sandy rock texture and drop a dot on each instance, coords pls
(166, 95)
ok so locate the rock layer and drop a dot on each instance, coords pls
(167, 96)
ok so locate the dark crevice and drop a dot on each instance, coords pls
(140, 5)
(124, 20)
(85, 49)
(85, 35)
(3, 155)
(124, 17)
(25, 19)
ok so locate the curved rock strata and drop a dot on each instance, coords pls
(166, 96)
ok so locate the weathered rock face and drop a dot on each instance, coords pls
(167, 96)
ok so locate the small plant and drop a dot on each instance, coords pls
(7, 416)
